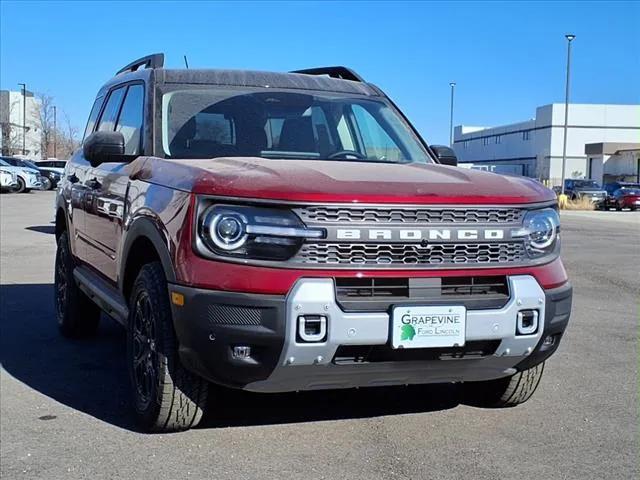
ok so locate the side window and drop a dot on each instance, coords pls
(378, 144)
(322, 131)
(130, 119)
(110, 113)
(214, 127)
(93, 116)
(273, 129)
(344, 134)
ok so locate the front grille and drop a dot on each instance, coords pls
(378, 294)
(352, 288)
(380, 254)
(324, 214)
(349, 354)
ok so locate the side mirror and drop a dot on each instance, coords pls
(101, 147)
(445, 155)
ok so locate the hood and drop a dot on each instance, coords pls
(341, 181)
(589, 190)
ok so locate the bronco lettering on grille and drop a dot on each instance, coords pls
(418, 234)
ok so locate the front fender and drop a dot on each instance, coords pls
(150, 229)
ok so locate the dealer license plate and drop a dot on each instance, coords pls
(428, 327)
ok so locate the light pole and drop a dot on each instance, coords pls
(55, 132)
(24, 118)
(569, 38)
(453, 87)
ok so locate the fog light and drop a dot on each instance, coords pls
(241, 352)
(549, 340)
(312, 328)
(527, 322)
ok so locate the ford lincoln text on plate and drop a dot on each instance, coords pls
(291, 231)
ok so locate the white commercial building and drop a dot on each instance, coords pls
(533, 148)
(20, 117)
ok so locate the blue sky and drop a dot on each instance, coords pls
(507, 58)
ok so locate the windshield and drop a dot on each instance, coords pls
(210, 123)
(15, 162)
(586, 184)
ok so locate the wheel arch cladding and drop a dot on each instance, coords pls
(143, 244)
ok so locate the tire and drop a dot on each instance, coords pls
(504, 392)
(76, 314)
(166, 396)
(618, 207)
(21, 187)
(46, 184)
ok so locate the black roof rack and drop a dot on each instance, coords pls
(343, 73)
(155, 60)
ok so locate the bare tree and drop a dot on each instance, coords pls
(45, 112)
(67, 138)
(54, 131)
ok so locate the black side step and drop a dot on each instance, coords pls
(104, 295)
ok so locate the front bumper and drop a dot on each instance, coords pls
(594, 197)
(32, 181)
(211, 323)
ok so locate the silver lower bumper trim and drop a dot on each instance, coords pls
(305, 366)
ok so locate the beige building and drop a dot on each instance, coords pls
(14, 125)
(534, 147)
(613, 161)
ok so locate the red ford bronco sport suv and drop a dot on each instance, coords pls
(278, 232)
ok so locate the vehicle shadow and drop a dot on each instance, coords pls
(90, 376)
(48, 229)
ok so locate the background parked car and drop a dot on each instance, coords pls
(8, 180)
(27, 176)
(622, 195)
(50, 176)
(577, 189)
(52, 164)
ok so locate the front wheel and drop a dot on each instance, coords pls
(21, 186)
(166, 396)
(504, 392)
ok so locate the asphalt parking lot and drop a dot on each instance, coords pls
(64, 409)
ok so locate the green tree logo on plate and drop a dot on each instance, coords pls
(407, 332)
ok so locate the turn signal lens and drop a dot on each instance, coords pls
(177, 299)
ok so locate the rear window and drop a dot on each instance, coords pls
(211, 122)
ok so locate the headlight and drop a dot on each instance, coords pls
(251, 232)
(541, 232)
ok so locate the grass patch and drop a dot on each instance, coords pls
(581, 203)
